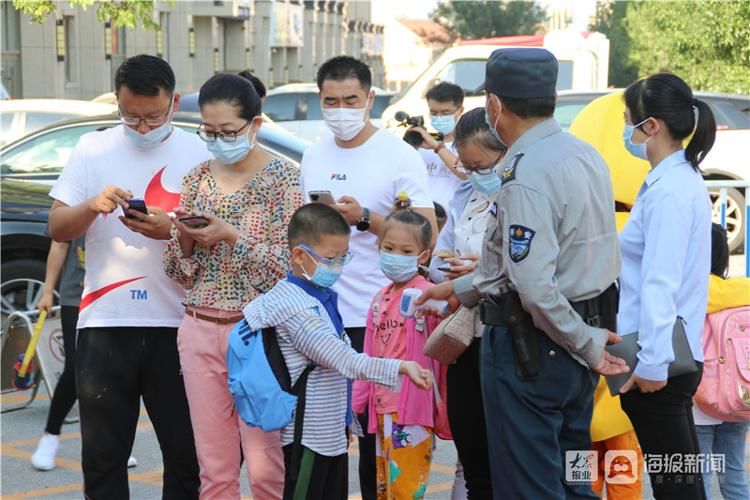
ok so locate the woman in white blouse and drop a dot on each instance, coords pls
(458, 249)
(666, 257)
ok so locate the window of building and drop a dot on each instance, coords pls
(163, 36)
(71, 56)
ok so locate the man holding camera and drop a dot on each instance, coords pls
(445, 101)
(364, 168)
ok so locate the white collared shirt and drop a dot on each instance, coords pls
(666, 260)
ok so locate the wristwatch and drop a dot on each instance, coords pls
(363, 224)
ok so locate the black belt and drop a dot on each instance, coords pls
(599, 311)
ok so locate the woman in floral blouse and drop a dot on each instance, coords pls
(228, 246)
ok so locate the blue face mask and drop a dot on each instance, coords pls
(150, 139)
(493, 131)
(229, 153)
(398, 268)
(487, 184)
(637, 150)
(325, 276)
(443, 124)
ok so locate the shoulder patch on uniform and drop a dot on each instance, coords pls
(493, 209)
(520, 242)
(509, 171)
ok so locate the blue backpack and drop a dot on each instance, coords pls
(259, 380)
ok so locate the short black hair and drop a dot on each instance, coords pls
(313, 221)
(343, 67)
(446, 92)
(530, 107)
(719, 250)
(145, 75)
(236, 90)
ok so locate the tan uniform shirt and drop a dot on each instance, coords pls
(553, 238)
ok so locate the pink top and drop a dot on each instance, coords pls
(388, 333)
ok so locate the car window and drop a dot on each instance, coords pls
(286, 107)
(567, 109)
(564, 75)
(313, 107)
(38, 119)
(45, 154)
(728, 116)
(466, 73)
(381, 102)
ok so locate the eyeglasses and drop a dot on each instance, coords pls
(225, 136)
(335, 262)
(132, 121)
(486, 170)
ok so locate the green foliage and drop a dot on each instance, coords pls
(121, 13)
(480, 19)
(609, 19)
(706, 42)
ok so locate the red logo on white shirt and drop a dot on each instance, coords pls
(90, 297)
(158, 196)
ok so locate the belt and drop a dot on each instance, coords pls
(227, 320)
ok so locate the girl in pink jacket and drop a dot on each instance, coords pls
(403, 420)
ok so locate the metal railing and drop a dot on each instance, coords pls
(723, 186)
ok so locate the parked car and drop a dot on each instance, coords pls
(18, 117)
(296, 107)
(28, 169)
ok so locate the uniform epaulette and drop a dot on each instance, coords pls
(509, 171)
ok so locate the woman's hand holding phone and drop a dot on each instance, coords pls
(204, 229)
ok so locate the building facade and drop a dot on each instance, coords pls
(73, 55)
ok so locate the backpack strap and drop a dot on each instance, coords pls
(299, 389)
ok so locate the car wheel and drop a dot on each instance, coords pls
(735, 216)
(22, 286)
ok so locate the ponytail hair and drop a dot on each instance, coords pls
(667, 97)
(240, 91)
(257, 83)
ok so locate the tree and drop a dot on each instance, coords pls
(121, 13)
(609, 19)
(480, 19)
(707, 42)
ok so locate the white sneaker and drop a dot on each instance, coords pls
(132, 462)
(44, 456)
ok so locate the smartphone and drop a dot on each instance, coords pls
(136, 204)
(194, 221)
(445, 269)
(322, 197)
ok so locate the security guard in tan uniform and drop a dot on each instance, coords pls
(546, 283)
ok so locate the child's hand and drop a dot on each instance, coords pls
(421, 377)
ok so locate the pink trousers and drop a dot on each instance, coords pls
(219, 432)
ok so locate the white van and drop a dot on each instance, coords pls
(583, 65)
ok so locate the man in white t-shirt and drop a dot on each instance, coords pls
(364, 168)
(445, 101)
(130, 310)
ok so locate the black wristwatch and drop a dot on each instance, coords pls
(363, 224)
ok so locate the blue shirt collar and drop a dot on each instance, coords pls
(325, 296)
(676, 158)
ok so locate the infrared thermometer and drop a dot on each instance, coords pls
(408, 308)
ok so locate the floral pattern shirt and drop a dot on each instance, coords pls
(224, 277)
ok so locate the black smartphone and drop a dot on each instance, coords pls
(194, 221)
(136, 204)
(445, 269)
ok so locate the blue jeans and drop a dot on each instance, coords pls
(727, 438)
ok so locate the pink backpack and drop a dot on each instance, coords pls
(724, 391)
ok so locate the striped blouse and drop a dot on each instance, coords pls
(306, 334)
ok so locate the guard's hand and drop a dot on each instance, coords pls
(610, 365)
(644, 385)
(443, 291)
(461, 266)
(108, 200)
(428, 142)
(421, 377)
(350, 209)
(217, 230)
(156, 225)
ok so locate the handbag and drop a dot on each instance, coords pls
(628, 348)
(724, 390)
(451, 337)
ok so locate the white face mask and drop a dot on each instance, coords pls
(345, 123)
